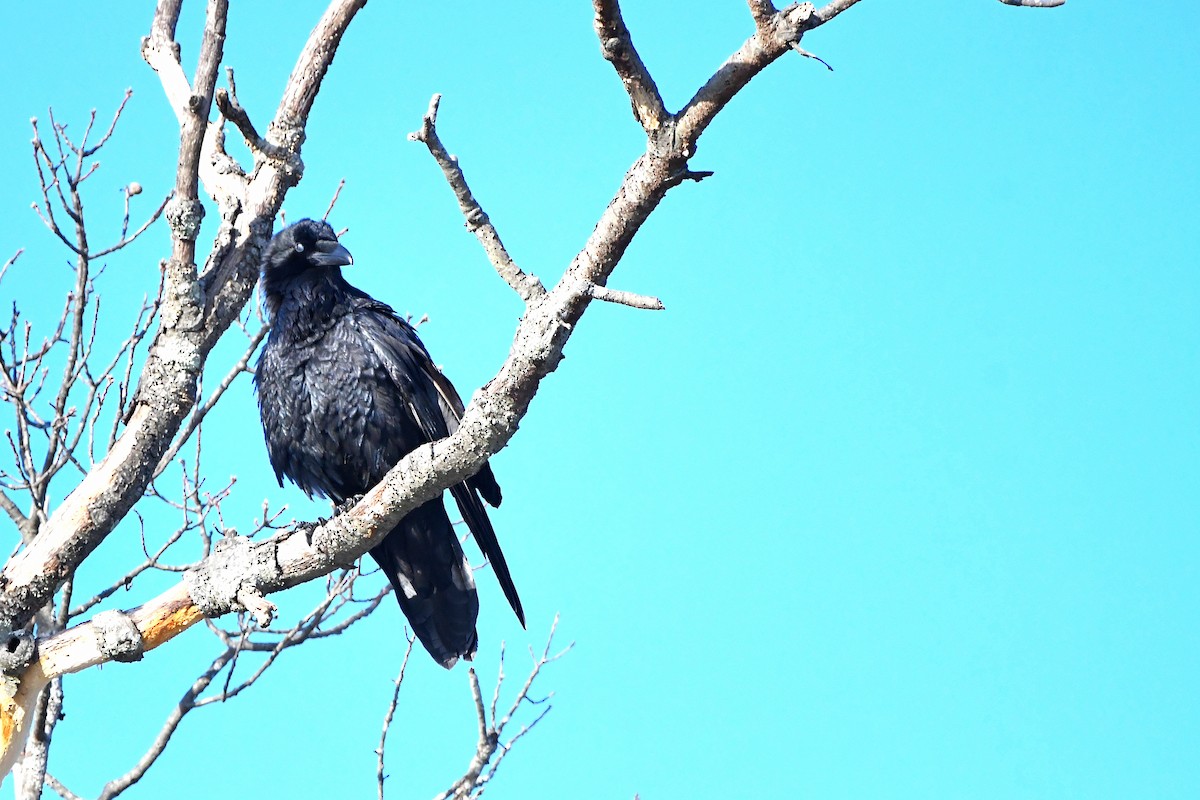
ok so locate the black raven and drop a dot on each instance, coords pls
(346, 389)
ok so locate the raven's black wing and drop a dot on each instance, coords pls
(436, 408)
(452, 409)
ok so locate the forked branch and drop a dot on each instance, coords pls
(491, 747)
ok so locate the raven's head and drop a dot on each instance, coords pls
(299, 248)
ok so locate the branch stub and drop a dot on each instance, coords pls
(117, 637)
(232, 568)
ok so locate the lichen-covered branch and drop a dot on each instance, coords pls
(761, 11)
(195, 312)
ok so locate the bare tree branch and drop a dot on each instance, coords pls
(12, 260)
(616, 45)
(813, 56)
(61, 790)
(194, 313)
(761, 11)
(196, 305)
(1034, 3)
(305, 629)
(829, 11)
(228, 103)
(126, 580)
(126, 240)
(527, 286)
(773, 38)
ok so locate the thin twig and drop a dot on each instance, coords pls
(490, 750)
(186, 704)
(10, 262)
(112, 126)
(125, 240)
(303, 630)
(58, 787)
(202, 410)
(333, 200)
(796, 46)
(387, 718)
(151, 562)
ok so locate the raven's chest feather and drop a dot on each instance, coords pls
(329, 408)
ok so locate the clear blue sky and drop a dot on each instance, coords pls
(897, 499)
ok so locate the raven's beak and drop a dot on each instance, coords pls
(331, 254)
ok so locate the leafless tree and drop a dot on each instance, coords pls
(113, 432)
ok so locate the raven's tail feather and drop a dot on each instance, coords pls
(434, 585)
(485, 536)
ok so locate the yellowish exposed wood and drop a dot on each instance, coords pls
(17, 701)
(165, 617)
(78, 648)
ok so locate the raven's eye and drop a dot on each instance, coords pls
(299, 247)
